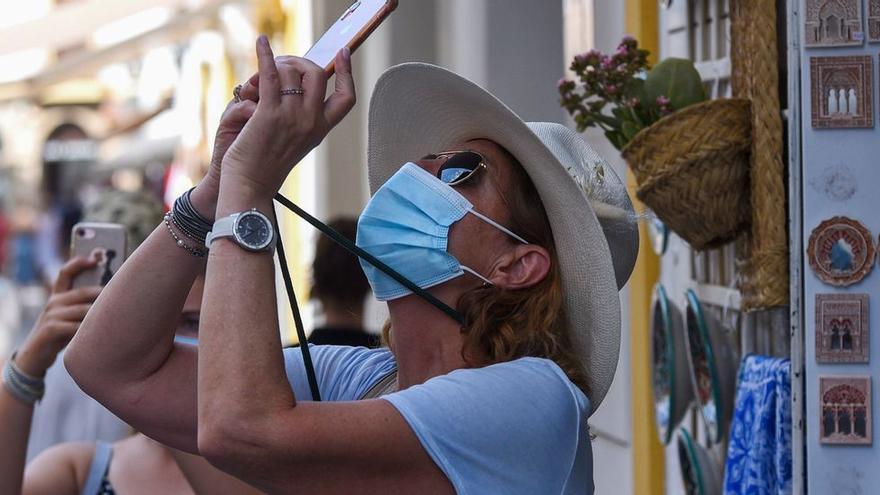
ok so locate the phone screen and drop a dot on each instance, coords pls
(344, 30)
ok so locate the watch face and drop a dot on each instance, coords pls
(253, 230)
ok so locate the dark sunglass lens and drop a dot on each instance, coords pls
(465, 159)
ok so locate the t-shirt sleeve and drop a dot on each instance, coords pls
(343, 372)
(515, 427)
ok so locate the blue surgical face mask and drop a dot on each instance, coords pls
(406, 226)
(180, 339)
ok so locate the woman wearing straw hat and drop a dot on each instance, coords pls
(520, 233)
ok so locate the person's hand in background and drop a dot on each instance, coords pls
(59, 321)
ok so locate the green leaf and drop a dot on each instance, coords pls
(616, 139)
(629, 130)
(676, 79)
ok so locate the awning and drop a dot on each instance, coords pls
(68, 25)
(79, 20)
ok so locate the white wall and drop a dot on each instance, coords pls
(612, 451)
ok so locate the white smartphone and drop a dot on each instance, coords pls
(106, 243)
(351, 29)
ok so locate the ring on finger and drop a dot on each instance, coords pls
(236, 94)
(292, 91)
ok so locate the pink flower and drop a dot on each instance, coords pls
(662, 101)
(606, 62)
(611, 89)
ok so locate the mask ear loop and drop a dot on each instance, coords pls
(497, 225)
(485, 280)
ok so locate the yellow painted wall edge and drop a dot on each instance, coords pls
(648, 461)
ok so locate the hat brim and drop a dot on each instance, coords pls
(420, 108)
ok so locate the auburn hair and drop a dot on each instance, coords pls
(506, 324)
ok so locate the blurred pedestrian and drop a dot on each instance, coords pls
(339, 284)
(4, 238)
(66, 414)
(139, 464)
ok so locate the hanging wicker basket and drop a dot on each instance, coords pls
(692, 169)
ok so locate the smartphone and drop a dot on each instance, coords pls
(105, 242)
(351, 29)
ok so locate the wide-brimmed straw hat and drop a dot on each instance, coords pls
(420, 108)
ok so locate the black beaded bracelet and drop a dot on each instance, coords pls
(198, 253)
(185, 230)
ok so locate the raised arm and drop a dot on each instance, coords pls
(250, 423)
(53, 330)
(124, 355)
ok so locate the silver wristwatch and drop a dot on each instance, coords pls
(250, 229)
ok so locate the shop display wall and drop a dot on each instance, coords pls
(839, 176)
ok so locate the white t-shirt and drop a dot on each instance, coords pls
(518, 427)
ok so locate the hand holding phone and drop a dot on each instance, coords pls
(104, 243)
(350, 30)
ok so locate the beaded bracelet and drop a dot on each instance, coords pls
(20, 385)
(198, 253)
(186, 230)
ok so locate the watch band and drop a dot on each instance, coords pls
(222, 228)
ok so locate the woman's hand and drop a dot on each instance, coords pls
(285, 127)
(59, 320)
(232, 122)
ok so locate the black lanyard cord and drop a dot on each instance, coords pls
(297, 317)
(369, 258)
(351, 247)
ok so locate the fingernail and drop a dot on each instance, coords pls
(263, 40)
(346, 53)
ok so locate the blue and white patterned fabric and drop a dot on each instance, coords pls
(759, 452)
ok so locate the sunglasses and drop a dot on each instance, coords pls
(459, 166)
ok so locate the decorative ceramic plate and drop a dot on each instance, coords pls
(671, 382)
(712, 365)
(700, 472)
(841, 251)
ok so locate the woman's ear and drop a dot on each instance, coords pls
(526, 266)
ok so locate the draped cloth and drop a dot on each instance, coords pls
(759, 451)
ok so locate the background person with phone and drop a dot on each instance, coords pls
(69, 431)
(139, 464)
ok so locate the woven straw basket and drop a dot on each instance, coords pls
(692, 169)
